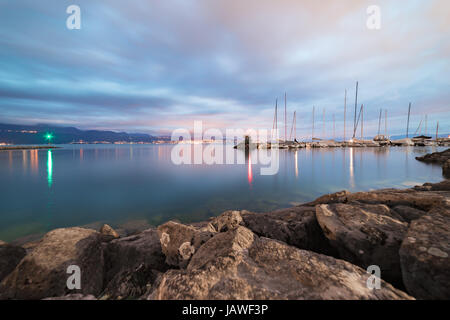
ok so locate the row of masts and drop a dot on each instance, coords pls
(358, 120)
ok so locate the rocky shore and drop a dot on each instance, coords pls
(317, 250)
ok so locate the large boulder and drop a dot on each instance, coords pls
(179, 242)
(43, 272)
(425, 256)
(10, 257)
(238, 264)
(416, 198)
(365, 235)
(133, 260)
(296, 226)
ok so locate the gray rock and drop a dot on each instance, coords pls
(425, 256)
(296, 226)
(131, 283)
(237, 264)
(179, 242)
(43, 272)
(10, 257)
(125, 255)
(408, 213)
(365, 235)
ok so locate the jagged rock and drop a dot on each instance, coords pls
(227, 221)
(393, 197)
(424, 256)
(436, 157)
(296, 226)
(125, 255)
(74, 296)
(10, 257)
(439, 186)
(337, 197)
(365, 235)
(238, 264)
(408, 213)
(108, 232)
(131, 283)
(43, 272)
(179, 242)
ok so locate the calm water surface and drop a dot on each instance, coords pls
(81, 184)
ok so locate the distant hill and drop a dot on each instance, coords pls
(35, 134)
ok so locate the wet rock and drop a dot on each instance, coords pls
(43, 272)
(238, 264)
(365, 235)
(436, 157)
(138, 252)
(10, 257)
(408, 213)
(179, 242)
(439, 186)
(296, 226)
(108, 232)
(425, 256)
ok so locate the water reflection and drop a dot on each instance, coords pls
(249, 169)
(352, 174)
(296, 163)
(49, 168)
(34, 161)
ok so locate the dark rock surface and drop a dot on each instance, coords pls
(139, 254)
(365, 234)
(43, 271)
(10, 257)
(425, 256)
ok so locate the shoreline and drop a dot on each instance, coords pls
(26, 147)
(406, 232)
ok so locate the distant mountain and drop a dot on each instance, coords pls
(36, 134)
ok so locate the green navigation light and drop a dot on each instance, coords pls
(49, 137)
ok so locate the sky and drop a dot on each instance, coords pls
(154, 66)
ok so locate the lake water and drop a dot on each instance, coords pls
(81, 184)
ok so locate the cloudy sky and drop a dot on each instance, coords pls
(153, 66)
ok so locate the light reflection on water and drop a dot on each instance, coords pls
(81, 184)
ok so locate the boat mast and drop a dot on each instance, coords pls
(362, 122)
(334, 128)
(379, 123)
(426, 124)
(437, 130)
(292, 127)
(275, 120)
(285, 119)
(312, 136)
(385, 123)
(323, 121)
(407, 125)
(354, 118)
(345, 110)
